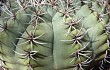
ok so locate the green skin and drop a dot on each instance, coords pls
(53, 44)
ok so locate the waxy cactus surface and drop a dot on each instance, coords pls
(54, 35)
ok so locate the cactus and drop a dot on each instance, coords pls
(54, 35)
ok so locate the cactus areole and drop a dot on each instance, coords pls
(54, 35)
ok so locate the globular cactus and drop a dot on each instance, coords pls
(54, 35)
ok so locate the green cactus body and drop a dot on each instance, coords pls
(54, 35)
